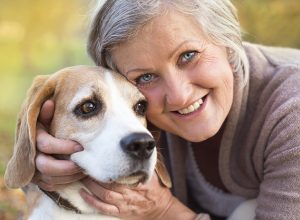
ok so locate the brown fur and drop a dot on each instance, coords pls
(59, 87)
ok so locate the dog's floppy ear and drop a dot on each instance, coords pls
(160, 167)
(21, 167)
(162, 171)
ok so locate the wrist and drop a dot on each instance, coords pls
(177, 210)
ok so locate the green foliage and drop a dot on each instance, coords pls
(36, 37)
(271, 22)
(40, 37)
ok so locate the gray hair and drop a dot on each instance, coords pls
(117, 21)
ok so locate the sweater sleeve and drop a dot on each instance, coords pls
(279, 191)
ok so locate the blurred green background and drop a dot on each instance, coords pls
(36, 37)
(40, 37)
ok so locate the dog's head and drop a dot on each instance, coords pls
(100, 110)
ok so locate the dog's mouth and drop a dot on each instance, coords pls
(133, 179)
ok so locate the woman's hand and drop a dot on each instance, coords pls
(146, 201)
(53, 174)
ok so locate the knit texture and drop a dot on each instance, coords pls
(260, 148)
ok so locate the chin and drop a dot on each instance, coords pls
(196, 139)
(199, 136)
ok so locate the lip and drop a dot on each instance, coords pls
(192, 114)
(132, 179)
(192, 103)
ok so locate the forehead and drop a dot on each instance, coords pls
(74, 79)
(160, 35)
(86, 82)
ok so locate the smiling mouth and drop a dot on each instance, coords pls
(193, 107)
(132, 179)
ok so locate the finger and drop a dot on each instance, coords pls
(152, 182)
(120, 210)
(60, 180)
(119, 195)
(104, 194)
(46, 113)
(48, 165)
(48, 144)
(104, 208)
(50, 187)
(113, 186)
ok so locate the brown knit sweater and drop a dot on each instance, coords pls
(260, 149)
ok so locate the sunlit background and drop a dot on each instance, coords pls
(40, 37)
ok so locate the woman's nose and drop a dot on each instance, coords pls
(178, 90)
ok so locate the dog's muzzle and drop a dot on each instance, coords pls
(138, 145)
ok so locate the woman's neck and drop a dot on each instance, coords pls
(207, 158)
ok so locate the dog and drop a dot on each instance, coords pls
(105, 113)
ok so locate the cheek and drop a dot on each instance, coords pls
(154, 97)
(223, 92)
(226, 80)
(215, 75)
(204, 74)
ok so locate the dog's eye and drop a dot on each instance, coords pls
(87, 109)
(141, 107)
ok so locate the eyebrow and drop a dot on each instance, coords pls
(170, 55)
(137, 70)
(178, 47)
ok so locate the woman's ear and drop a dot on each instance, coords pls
(21, 167)
(162, 172)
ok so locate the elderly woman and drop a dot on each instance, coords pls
(229, 113)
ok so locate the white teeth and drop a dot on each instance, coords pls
(196, 105)
(191, 108)
(184, 111)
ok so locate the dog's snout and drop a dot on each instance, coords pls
(138, 145)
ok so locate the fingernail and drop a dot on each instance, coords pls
(79, 147)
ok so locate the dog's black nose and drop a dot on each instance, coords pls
(138, 145)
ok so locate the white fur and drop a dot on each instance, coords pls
(102, 147)
(82, 93)
(102, 157)
(48, 210)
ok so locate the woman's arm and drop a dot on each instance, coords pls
(279, 191)
(178, 211)
(150, 201)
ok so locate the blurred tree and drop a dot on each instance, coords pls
(39, 37)
(36, 37)
(36, 27)
(271, 22)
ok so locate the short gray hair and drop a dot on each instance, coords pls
(117, 21)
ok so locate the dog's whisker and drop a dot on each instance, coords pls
(114, 152)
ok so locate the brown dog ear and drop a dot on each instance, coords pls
(21, 167)
(162, 171)
(160, 167)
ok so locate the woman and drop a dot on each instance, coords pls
(230, 112)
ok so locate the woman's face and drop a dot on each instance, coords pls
(187, 80)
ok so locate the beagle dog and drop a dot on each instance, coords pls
(104, 113)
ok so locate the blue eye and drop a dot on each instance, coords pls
(187, 56)
(144, 79)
